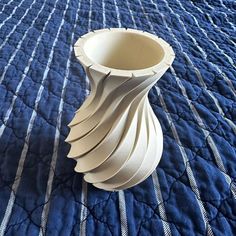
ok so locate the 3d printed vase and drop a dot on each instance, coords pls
(115, 136)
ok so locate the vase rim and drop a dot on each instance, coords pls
(164, 63)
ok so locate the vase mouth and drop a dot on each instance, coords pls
(123, 51)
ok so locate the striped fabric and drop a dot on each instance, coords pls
(193, 190)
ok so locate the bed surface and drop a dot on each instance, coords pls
(192, 191)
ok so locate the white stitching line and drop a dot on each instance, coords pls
(146, 16)
(189, 171)
(123, 217)
(8, 113)
(118, 14)
(131, 14)
(230, 60)
(228, 81)
(190, 174)
(198, 74)
(6, 5)
(226, 8)
(46, 207)
(84, 211)
(226, 17)
(87, 84)
(10, 16)
(161, 206)
(206, 133)
(29, 129)
(26, 70)
(13, 30)
(19, 43)
(212, 22)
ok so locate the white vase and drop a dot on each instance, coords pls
(115, 136)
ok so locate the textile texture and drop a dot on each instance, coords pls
(192, 191)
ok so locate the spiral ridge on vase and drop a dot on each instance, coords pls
(115, 136)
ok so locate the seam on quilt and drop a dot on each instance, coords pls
(118, 14)
(40, 63)
(13, 12)
(212, 22)
(200, 121)
(39, 83)
(230, 60)
(178, 179)
(123, 217)
(87, 84)
(35, 27)
(30, 107)
(26, 70)
(189, 171)
(174, 120)
(45, 212)
(204, 130)
(83, 211)
(227, 80)
(8, 113)
(160, 202)
(226, 17)
(6, 5)
(184, 155)
(29, 129)
(198, 74)
(226, 8)
(20, 42)
(12, 31)
(103, 13)
(180, 117)
(214, 112)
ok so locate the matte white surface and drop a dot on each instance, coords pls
(115, 136)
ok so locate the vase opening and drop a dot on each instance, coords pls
(123, 50)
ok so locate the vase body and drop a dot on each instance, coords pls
(115, 136)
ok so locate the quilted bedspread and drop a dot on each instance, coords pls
(192, 191)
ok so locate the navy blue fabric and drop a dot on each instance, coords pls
(193, 190)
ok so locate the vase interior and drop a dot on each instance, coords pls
(123, 50)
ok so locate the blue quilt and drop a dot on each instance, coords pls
(192, 191)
